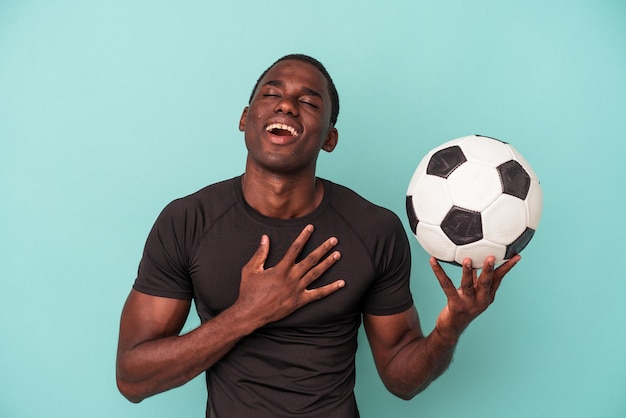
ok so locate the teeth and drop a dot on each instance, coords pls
(287, 128)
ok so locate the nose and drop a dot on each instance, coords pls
(287, 106)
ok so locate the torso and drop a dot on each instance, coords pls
(305, 362)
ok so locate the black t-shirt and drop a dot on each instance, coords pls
(302, 365)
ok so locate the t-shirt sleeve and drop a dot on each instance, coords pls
(164, 267)
(390, 293)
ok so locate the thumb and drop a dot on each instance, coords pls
(257, 261)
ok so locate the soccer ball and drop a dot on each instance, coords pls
(474, 197)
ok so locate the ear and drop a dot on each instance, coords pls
(242, 120)
(331, 140)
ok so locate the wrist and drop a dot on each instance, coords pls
(445, 337)
(241, 320)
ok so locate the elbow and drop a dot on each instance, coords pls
(127, 390)
(405, 390)
(129, 393)
(405, 395)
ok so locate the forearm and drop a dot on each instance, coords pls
(418, 364)
(159, 365)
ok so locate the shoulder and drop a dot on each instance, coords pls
(358, 210)
(197, 210)
(214, 198)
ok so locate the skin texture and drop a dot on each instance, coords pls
(280, 182)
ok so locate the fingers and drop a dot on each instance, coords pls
(319, 268)
(321, 292)
(491, 278)
(468, 278)
(257, 262)
(313, 258)
(310, 267)
(508, 265)
(296, 247)
(474, 294)
(501, 271)
(444, 281)
(485, 280)
(480, 287)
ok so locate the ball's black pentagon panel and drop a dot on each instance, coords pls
(519, 244)
(410, 211)
(515, 180)
(445, 161)
(462, 226)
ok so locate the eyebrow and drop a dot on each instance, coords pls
(306, 90)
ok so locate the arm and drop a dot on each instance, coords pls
(152, 357)
(406, 360)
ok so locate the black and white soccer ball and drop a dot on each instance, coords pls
(474, 197)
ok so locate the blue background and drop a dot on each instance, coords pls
(109, 110)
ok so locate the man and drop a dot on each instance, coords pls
(283, 266)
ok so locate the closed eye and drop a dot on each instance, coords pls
(309, 103)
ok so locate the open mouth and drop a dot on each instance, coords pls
(280, 129)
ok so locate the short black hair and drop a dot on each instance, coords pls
(332, 90)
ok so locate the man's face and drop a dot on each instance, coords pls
(288, 120)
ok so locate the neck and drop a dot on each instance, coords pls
(280, 196)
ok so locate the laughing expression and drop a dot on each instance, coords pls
(288, 120)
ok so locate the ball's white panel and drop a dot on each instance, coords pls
(486, 150)
(478, 251)
(474, 186)
(534, 204)
(431, 199)
(524, 164)
(435, 242)
(504, 220)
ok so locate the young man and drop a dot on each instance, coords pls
(283, 267)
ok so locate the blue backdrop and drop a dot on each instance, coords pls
(109, 110)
